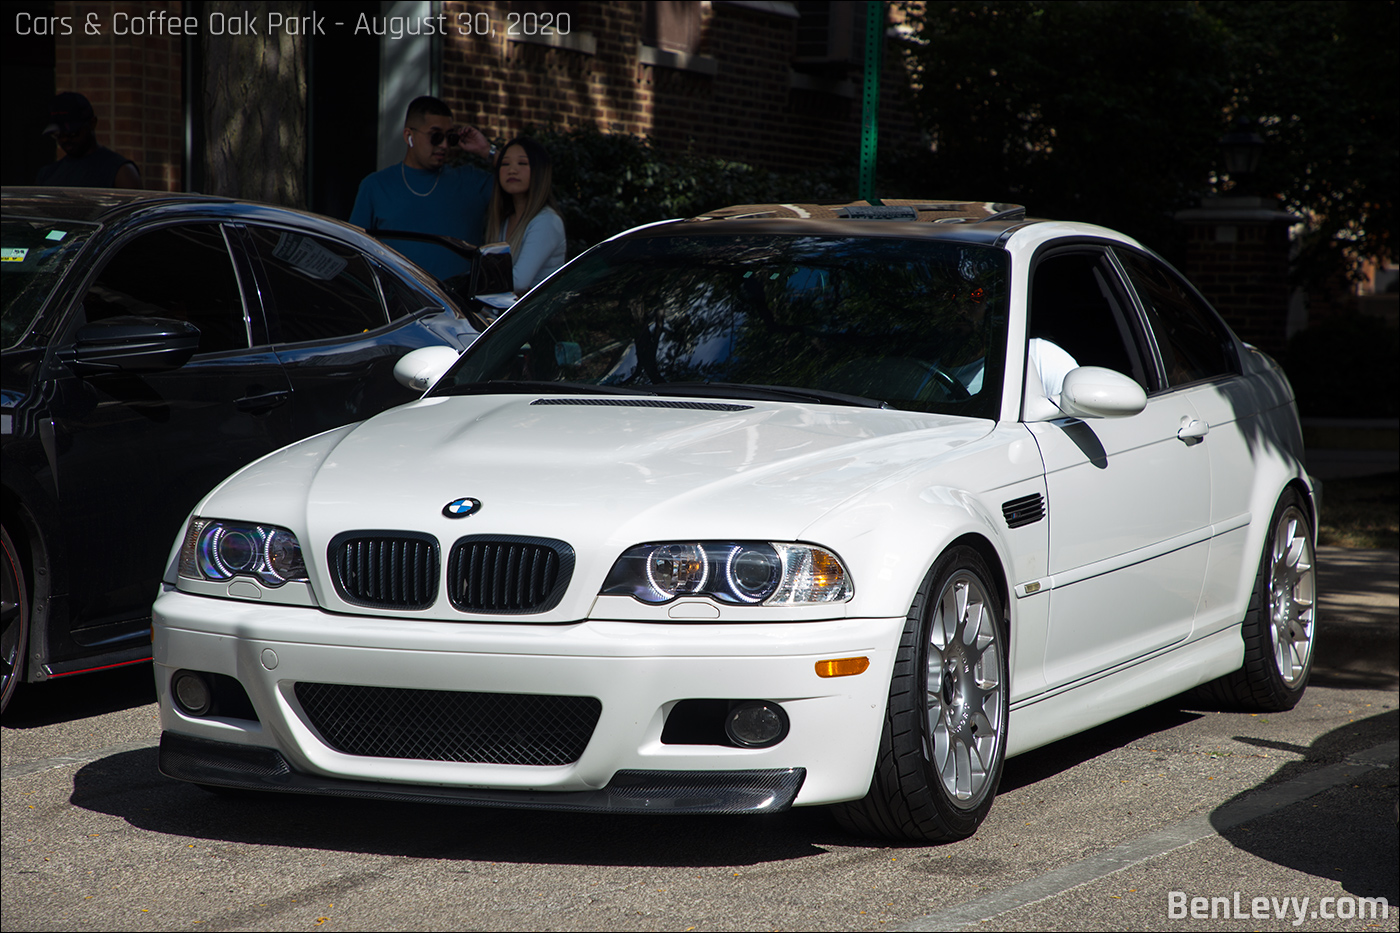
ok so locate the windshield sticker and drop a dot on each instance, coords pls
(308, 257)
(13, 254)
(56, 235)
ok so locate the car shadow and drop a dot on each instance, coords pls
(129, 786)
(1037, 765)
(82, 697)
(1347, 832)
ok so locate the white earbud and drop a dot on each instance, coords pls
(410, 142)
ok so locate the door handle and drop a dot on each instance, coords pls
(1193, 430)
(260, 404)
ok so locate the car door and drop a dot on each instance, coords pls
(1128, 498)
(1199, 358)
(137, 450)
(340, 321)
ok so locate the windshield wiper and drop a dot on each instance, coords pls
(540, 387)
(764, 393)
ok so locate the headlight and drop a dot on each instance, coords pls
(742, 572)
(220, 550)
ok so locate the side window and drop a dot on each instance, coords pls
(1193, 341)
(320, 289)
(402, 298)
(1078, 304)
(183, 273)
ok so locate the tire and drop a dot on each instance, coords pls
(1280, 624)
(944, 737)
(14, 613)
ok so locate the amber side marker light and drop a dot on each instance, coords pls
(842, 667)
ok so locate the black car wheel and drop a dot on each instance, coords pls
(14, 612)
(944, 736)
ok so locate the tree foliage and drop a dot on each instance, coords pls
(1112, 112)
(605, 183)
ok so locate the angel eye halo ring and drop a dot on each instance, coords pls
(218, 550)
(735, 572)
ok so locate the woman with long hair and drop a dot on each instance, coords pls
(522, 212)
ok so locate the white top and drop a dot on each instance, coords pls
(542, 250)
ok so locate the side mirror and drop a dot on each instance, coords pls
(132, 344)
(1095, 392)
(419, 369)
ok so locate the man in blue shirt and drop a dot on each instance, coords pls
(424, 194)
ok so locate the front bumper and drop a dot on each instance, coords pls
(638, 671)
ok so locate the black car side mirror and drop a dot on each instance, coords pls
(132, 344)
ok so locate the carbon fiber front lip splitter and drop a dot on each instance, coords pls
(222, 764)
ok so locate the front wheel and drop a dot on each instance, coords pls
(944, 737)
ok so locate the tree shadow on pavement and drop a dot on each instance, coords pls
(1347, 832)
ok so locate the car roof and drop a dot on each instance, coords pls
(93, 205)
(985, 222)
(988, 223)
(114, 208)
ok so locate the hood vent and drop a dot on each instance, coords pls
(642, 403)
(1026, 510)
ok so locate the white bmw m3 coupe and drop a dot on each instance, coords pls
(785, 505)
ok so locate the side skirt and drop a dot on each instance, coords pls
(1044, 719)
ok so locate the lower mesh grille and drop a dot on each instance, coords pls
(447, 725)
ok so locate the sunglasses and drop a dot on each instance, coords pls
(437, 136)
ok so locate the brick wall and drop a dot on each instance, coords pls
(1241, 266)
(133, 82)
(744, 111)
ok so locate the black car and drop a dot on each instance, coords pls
(152, 344)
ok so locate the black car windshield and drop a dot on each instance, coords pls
(911, 323)
(33, 257)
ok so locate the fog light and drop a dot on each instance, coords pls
(756, 724)
(191, 693)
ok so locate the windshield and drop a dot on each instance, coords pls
(913, 324)
(33, 257)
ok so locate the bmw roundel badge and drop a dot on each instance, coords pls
(461, 508)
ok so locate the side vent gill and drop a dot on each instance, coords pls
(1026, 510)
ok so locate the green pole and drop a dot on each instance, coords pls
(870, 100)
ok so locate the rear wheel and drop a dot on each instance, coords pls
(14, 613)
(944, 736)
(1280, 623)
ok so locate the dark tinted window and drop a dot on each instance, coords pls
(1078, 303)
(916, 324)
(1193, 341)
(320, 288)
(36, 255)
(402, 298)
(183, 273)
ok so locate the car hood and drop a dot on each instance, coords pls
(601, 474)
(640, 468)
